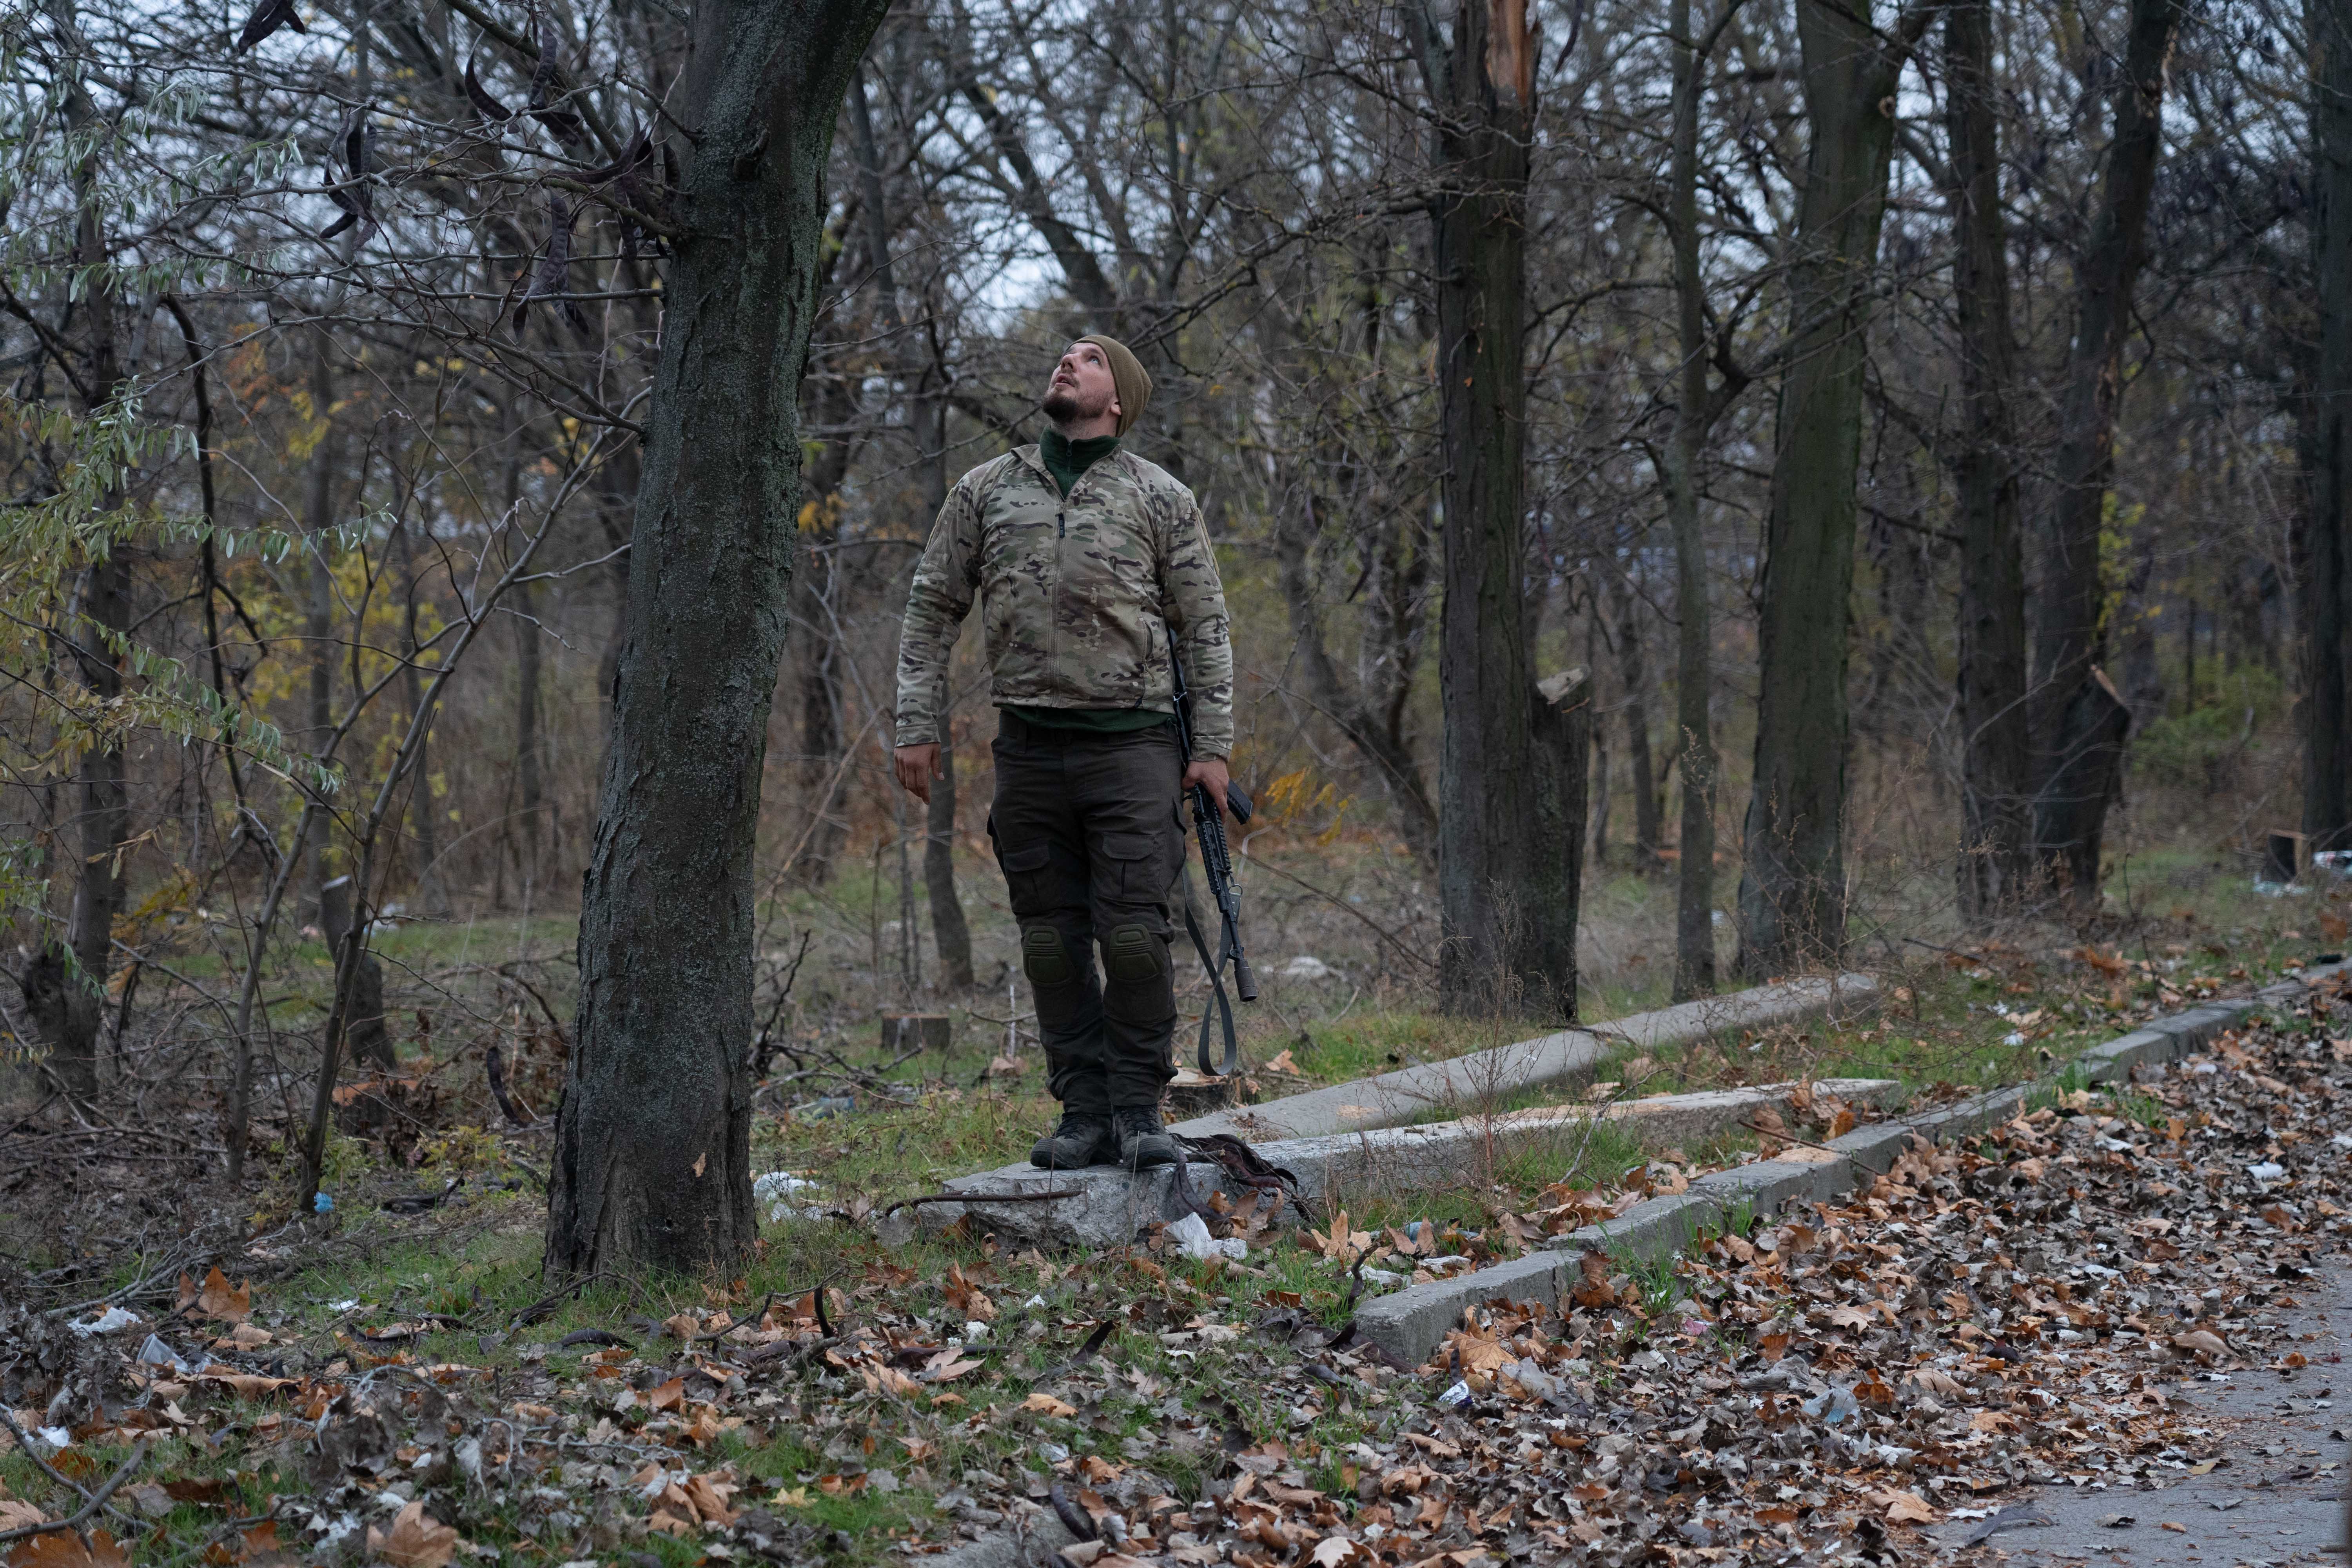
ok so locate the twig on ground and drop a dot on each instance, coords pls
(1955, 952)
(25, 1446)
(93, 1500)
(980, 1198)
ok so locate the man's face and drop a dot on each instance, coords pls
(1082, 388)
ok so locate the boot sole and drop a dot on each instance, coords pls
(1050, 1163)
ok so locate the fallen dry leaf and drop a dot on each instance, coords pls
(1047, 1405)
(214, 1299)
(416, 1539)
(64, 1548)
(968, 1297)
(245, 1384)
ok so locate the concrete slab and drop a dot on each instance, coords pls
(1566, 1057)
(1105, 1206)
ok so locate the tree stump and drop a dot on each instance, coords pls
(1194, 1093)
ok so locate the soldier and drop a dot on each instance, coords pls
(1093, 571)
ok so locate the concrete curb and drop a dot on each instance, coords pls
(1390, 1160)
(1565, 1056)
(1409, 1325)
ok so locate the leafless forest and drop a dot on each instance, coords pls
(459, 452)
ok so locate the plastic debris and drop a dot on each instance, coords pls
(1456, 1396)
(112, 1319)
(1832, 1406)
(322, 1203)
(775, 1190)
(155, 1353)
(2268, 1171)
(1192, 1234)
(1304, 967)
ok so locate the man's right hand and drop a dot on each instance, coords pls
(916, 767)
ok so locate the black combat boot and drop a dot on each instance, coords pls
(1142, 1143)
(1085, 1138)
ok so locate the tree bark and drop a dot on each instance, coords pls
(1793, 886)
(652, 1164)
(531, 826)
(69, 1007)
(1596, 748)
(105, 825)
(1631, 669)
(2078, 753)
(432, 894)
(1996, 792)
(318, 616)
(1505, 880)
(1696, 412)
(2324, 560)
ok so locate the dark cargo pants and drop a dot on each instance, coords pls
(1088, 832)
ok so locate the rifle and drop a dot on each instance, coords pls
(1217, 861)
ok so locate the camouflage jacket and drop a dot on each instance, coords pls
(1081, 596)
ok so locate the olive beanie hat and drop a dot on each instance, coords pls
(1127, 375)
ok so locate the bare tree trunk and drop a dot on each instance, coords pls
(1597, 745)
(68, 1007)
(1506, 892)
(431, 896)
(2078, 749)
(2325, 564)
(1995, 736)
(652, 1162)
(1696, 411)
(1632, 671)
(529, 747)
(1792, 889)
(319, 618)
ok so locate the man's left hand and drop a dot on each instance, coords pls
(1209, 771)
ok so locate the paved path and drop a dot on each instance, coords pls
(2275, 1425)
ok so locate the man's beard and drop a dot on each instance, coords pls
(1064, 406)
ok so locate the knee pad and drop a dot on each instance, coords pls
(1138, 987)
(1044, 959)
(1133, 956)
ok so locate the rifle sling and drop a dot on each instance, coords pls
(1222, 1008)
